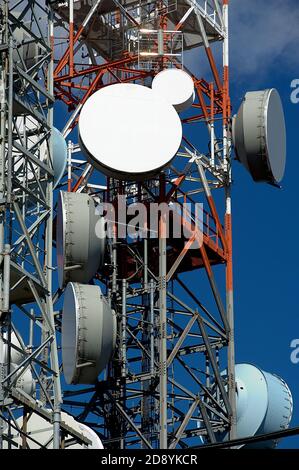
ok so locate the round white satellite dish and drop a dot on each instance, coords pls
(80, 238)
(42, 432)
(259, 135)
(128, 132)
(88, 333)
(176, 87)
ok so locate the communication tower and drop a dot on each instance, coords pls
(125, 342)
(29, 367)
(163, 387)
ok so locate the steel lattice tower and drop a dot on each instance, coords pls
(163, 387)
(26, 182)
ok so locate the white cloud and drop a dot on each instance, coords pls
(264, 35)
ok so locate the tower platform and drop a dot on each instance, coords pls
(110, 33)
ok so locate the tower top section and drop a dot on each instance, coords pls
(116, 24)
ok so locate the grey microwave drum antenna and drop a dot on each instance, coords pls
(88, 333)
(26, 51)
(23, 379)
(264, 404)
(176, 87)
(128, 132)
(15, 356)
(59, 155)
(80, 238)
(30, 137)
(259, 135)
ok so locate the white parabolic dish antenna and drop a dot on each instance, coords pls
(30, 136)
(176, 87)
(23, 379)
(259, 135)
(42, 432)
(128, 132)
(88, 333)
(15, 356)
(80, 238)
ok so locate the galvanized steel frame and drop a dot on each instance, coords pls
(26, 222)
(152, 304)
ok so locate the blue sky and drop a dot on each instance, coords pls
(265, 227)
(264, 38)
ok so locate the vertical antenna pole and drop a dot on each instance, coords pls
(124, 354)
(71, 36)
(69, 165)
(49, 262)
(163, 325)
(228, 226)
(212, 126)
(3, 121)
